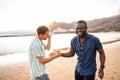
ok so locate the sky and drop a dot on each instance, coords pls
(29, 14)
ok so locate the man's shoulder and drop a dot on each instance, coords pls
(94, 38)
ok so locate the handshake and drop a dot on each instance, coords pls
(55, 53)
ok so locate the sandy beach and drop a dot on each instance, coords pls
(63, 68)
(12, 68)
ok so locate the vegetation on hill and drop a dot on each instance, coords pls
(98, 25)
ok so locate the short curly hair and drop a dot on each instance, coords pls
(82, 21)
(42, 29)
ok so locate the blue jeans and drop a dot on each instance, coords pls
(43, 77)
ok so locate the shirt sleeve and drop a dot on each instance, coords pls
(98, 44)
(72, 44)
(37, 49)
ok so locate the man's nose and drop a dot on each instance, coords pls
(79, 30)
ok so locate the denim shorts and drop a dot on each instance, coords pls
(43, 77)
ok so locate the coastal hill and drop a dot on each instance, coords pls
(107, 24)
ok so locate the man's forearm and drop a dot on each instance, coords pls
(48, 43)
(67, 54)
(102, 60)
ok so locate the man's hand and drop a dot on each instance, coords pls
(101, 73)
(55, 53)
(49, 36)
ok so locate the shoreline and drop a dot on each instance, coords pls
(33, 34)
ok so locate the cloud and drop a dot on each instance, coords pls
(21, 14)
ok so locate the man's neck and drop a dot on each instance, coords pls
(84, 36)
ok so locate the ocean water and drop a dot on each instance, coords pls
(11, 45)
(15, 45)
